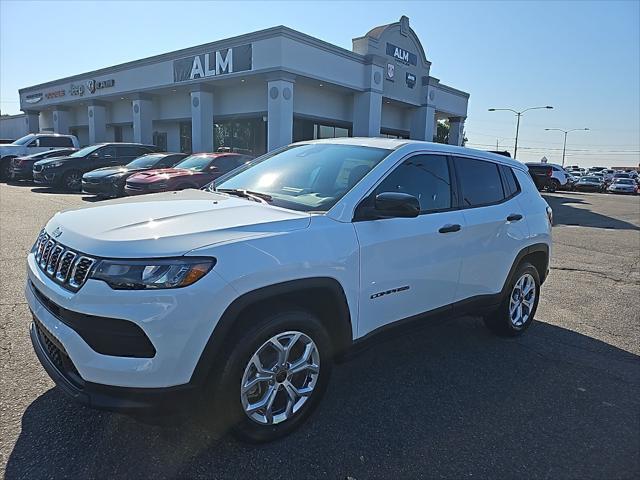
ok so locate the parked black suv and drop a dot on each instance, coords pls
(22, 167)
(542, 175)
(66, 172)
(109, 181)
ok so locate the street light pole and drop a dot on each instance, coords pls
(564, 146)
(518, 114)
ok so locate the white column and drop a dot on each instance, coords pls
(202, 121)
(61, 121)
(279, 113)
(97, 123)
(367, 114)
(423, 123)
(456, 130)
(142, 120)
(32, 120)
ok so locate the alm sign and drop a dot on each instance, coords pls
(402, 55)
(220, 62)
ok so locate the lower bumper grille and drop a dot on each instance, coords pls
(57, 354)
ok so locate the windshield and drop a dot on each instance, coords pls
(197, 163)
(145, 161)
(590, 179)
(83, 152)
(24, 140)
(623, 181)
(306, 177)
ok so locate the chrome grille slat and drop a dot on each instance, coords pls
(54, 257)
(68, 268)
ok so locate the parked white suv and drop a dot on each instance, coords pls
(238, 299)
(32, 143)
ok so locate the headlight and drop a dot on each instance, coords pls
(152, 274)
(53, 165)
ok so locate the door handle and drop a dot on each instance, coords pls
(514, 217)
(450, 228)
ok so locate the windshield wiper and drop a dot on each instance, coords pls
(256, 196)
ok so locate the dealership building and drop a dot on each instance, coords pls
(253, 93)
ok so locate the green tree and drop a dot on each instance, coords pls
(442, 133)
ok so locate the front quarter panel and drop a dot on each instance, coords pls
(325, 249)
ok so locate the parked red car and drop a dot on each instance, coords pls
(195, 171)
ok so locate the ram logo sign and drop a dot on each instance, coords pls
(211, 64)
(402, 55)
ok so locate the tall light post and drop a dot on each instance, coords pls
(518, 114)
(564, 147)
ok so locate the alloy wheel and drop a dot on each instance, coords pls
(72, 181)
(522, 300)
(280, 378)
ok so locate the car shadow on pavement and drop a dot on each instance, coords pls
(447, 399)
(563, 208)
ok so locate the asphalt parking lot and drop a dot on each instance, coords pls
(448, 400)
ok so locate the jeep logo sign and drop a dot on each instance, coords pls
(402, 55)
(221, 62)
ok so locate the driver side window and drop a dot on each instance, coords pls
(426, 177)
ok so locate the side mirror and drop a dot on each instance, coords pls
(213, 168)
(396, 204)
(94, 155)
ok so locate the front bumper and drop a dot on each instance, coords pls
(18, 173)
(46, 177)
(58, 365)
(102, 188)
(142, 188)
(177, 322)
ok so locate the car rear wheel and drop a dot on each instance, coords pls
(553, 185)
(72, 180)
(518, 308)
(5, 169)
(275, 376)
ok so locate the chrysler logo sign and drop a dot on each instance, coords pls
(211, 64)
(33, 97)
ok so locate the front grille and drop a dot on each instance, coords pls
(134, 186)
(65, 266)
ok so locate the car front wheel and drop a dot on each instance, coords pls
(72, 181)
(275, 376)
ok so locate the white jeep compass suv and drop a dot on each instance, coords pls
(238, 298)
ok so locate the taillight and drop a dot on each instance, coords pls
(549, 173)
(550, 215)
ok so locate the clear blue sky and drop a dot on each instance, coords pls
(581, 57)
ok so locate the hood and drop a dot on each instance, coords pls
(9, 149)
(56, 159)
(169, 224)
(161, 174)
(106, 171)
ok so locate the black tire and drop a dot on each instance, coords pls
(5, 169)
(553, 186)
(225, 387)
(71, 181)
(500, 321)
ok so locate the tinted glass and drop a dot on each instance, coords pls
(510, 183)
(83, 152)
(306, 177)
(170, 160)
(107, 152)
(131, 151)
(480, 182)
(196, 163)
(56, 142)
(227, 163)
(426, 177)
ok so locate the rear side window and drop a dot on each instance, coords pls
(479, 181)
(55, 142)
(509, 181)
(426, 177)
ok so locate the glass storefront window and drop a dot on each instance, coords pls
(247, 136)
(185, 137)
(304, 129)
